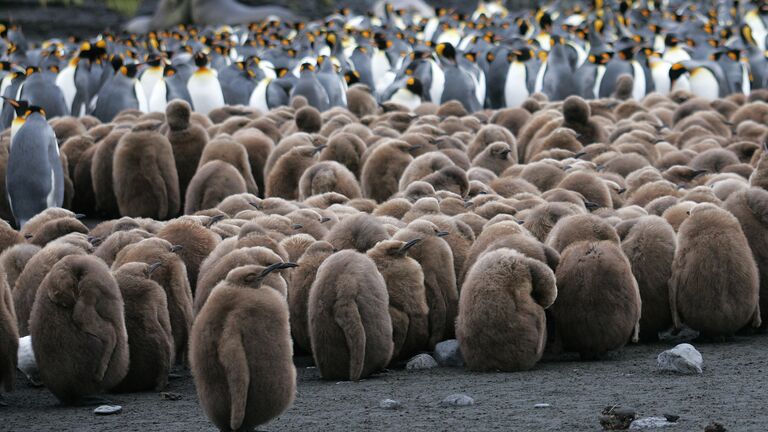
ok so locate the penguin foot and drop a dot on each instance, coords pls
(92, 401)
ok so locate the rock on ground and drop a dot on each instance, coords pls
(421, 361)
(684, 359)
(457, 400)
(448, 354)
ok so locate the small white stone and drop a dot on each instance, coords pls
(650, 423)
(542, 405)
(389, 404)
(457, 400)
(108, 410)
(421, 361)
(684, 359)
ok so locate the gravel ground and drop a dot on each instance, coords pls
(731, 391)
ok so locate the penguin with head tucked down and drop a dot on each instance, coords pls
(310, 88)
(121, 92)
(556, 76)
(590, 75)
(237, 82)
(39, 88)
(624, 63)
(334, 84)
(459, 84)
(271, 92)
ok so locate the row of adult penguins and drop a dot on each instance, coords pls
(492, 58)
(573, 226)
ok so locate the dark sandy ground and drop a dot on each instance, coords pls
(733, 390)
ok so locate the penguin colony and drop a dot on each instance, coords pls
(349, 190)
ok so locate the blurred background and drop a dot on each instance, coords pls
(58, 18)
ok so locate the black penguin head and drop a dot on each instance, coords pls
(31, 70)
(20, 107)
(34, 109)
(352, 77)
(331, 39)
(446, 50)
(201, 59)
(414, 86)
(117, 62)
(676, 71)
(671, 39)
(307, 67)
(281, 72)
(381, 41)
(129, 70)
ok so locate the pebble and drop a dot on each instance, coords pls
(650, 423)
(171, 396)
(389, 404)
(421, 361)
(542, 405)
(108, 410)
(685, 334)
(457, 400)
(448, 354)
(684, 359)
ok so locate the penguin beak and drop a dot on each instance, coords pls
(152, 267)
(621, 190)
(411, 243)
(579, 155)
(278, 266)
(468, 204)
(297, 226)
(319, 148)
(176, 248)
(324, 219)
(94, 241)
(79, 216)
(257, 206)
(214, 220)
(520, 221)
(697, 173)
(591, 206)
(504, 153)
(442, 233)
(28, 236)
(413, 148)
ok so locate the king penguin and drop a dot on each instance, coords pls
(34, 177)
(204, 87)
(335, 86)
(589, 76)
(39, 89)
(73, 81)
(308, 86)
(410, 95)
(459, 85)
(516, 89)
(123, 91)
(152, 74)
(555, 77)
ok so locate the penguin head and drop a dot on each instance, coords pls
(671, 40)
(446, 50)
(31, 70)
(676, 71)
(5, 65)
(34, 109)
(576, 110)
(129, 70)
(252, 276)
(281, 72)
(201, 59)
(352, 77)
(169, 71)
(331, 39)
(20, 107)
(381, 41)
(307, 68)
(414, 86)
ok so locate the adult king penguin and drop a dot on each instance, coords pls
(34, 176)
(204, 87)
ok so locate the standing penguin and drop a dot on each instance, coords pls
(407, 300)
(310, 88)
(150, 340)
(240, 351)
(555, 77)
(40, 89)
(9, 338)
(459, 85)
(299, 284)
(349, 325)
(204, 87)
(34, 175)
(516, 89)
(333, 83)
(78, 330)
(716, 300)
(501, 323)
(122, 91)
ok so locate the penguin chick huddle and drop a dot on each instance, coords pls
(490, 58)
(236, 239)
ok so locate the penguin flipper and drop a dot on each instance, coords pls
(347, 316)
(87, 318)
(232, 357)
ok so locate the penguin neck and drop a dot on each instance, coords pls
(17, 123)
